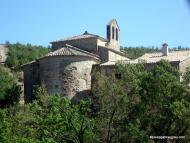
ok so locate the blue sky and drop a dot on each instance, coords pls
(142, 22)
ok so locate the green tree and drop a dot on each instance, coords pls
(142, 103)
(20, 54)
(163, 109)
(186, 76)
(9, 90)
(4, 126)
(169, 100)
(51, 119)
(113, 99)
(135, 52)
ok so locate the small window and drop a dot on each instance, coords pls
(108, 32)
(118, 75)
(113, 31)
(116, 34)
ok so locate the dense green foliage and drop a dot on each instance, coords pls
(186, 76)
(20, 54)
(131, 109)
(50, 119)
(9, 90)
(135, 52)
(142, 104)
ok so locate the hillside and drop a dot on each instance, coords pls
(20, 54)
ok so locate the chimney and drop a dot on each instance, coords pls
(165, 49)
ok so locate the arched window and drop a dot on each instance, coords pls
(113, 31)
(116, 34)
(108, 32)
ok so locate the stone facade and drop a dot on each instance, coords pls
(113, 35)
(65, 75)
(178, 59)
(107, 49)
(3, 53)
(183, 65)
(67, 69)
(87, 44)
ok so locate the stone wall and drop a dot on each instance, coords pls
(149, 66)
(183, 65)
(3, 53)
(103, 53)
(112, 56)
(108, 70)
(87, 44)
(113, 35)
(111, 69)
(101, 43)
(31, 79)
(107, 54)
(66, 75)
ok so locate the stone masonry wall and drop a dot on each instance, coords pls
(115, 57)
(114, 42)
(31, 79)
(183, 65)
(87, 44)
(68, 75)
(3, 53)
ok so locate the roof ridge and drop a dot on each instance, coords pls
(71, 50)
(63, 50)
(173, 56)
(81, 36)
(86, 52)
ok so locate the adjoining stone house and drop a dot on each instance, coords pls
(179, 59)
(3, 53)
(67, 69)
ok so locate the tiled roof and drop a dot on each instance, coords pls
(154, 57)
(69, 50)
(112, 63)
(109, 63)
(61, 52)
(173, 56)
(83, 36)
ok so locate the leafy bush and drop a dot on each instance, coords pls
(131, 109)
(52, 120)
(135, 52)
(141, 104)
(9, 90)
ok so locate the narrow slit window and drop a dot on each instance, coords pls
(113, 33)
(108, 32)
(116, 34)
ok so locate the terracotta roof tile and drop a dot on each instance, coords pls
(173, 56)
(83, 36)
(69, 50)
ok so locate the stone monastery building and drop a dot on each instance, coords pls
(67, 69)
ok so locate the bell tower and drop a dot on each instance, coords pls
(113, 35)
